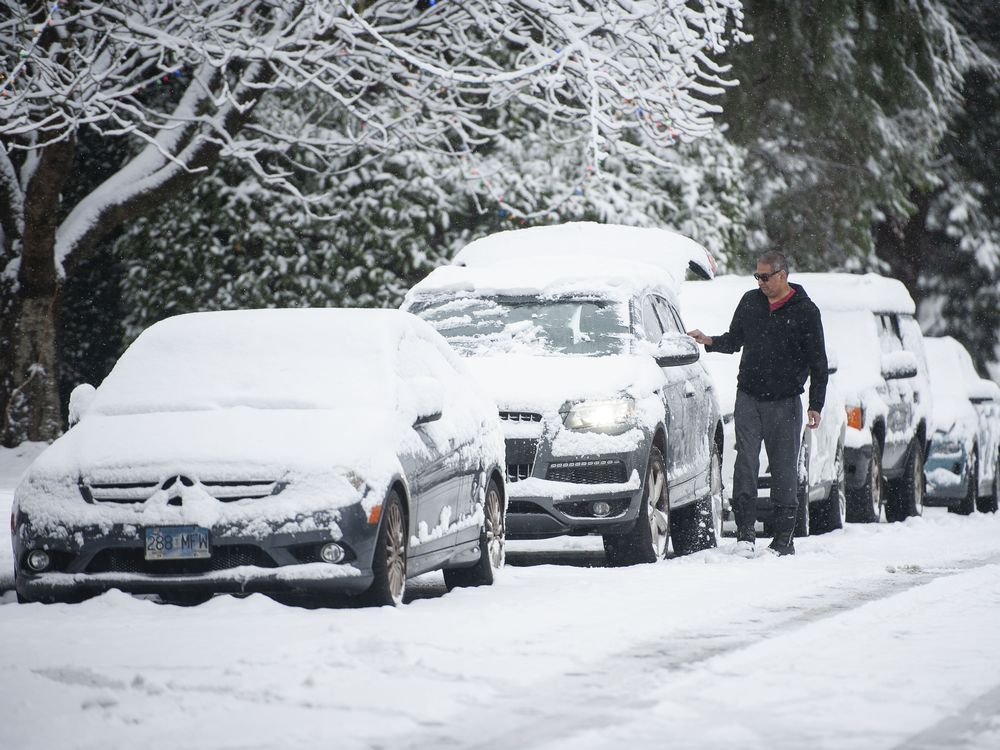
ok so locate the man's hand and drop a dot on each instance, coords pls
(700, 337)
(812, 421)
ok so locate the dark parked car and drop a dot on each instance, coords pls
(289, 452)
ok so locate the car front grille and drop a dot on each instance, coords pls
(226, 491)
(520, 458)
(602, 471)
(133, 560)
(524, 506)
(520, 416)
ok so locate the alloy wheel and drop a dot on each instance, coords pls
(656, 509)
(716, 490)
(495, 536)
(918, 482)
(841, 486)
(876, 488)
(395, 552)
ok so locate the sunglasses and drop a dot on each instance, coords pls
(765, 277)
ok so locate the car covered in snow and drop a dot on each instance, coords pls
(709, 306)
(312, 452)
(963, 463)
(868, 321)
(610, 419)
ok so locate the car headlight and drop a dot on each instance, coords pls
(601, 415)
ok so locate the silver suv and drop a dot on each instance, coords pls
(610, 419)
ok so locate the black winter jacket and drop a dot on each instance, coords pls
(780, 349)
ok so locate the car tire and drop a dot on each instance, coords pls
(699, 526)
(831, 513)
(865, 504)
(906, 494)
(389, 561)
(643, 544)
(802, 512)
(492, 539)
(967, 505)
(989, 503)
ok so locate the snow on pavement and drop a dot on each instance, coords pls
(882, 636)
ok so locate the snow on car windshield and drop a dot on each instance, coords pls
(500, 324)
(265, 359)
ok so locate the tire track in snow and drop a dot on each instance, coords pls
(612, 690)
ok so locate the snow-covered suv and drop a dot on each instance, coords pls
(610, 419)
(869, 323)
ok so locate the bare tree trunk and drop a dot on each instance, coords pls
(32, 411)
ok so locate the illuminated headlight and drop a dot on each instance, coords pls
(601, 415)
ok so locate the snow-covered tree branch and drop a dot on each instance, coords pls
(182, 81)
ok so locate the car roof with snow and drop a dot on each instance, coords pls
(670, 251)
(851, 291)
(547, 277)
(274, 358)
(833, 292)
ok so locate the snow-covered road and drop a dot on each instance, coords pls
(874, 637)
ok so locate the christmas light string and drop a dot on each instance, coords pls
(24, 55)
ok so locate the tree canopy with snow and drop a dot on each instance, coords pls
(181, 83)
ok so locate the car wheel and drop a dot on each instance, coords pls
(831, 513)
(967, 505)
(802, 512)
(492, 538)
(646, 542)
(699, 526)
(865, 504)
(389, 563)
(989, 503)
(906, 494)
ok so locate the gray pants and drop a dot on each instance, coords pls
(779, 425)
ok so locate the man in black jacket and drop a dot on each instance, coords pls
(781, 334)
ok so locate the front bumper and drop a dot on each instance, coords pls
(540, 515)
(947, 478)
(89, 560)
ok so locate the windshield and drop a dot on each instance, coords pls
(492, 325)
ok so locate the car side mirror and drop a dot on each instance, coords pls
(899, 365)
(983, 392)
(422, 400)
(80, 400)
(676, 349)
(426, 418)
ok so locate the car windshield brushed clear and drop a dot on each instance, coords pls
(507, 324)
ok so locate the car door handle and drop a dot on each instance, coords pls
(689, 390)
(688, 394)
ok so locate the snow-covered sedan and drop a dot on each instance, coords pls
(709, 305)
(610, 419)
(291, 452)
(963, 463)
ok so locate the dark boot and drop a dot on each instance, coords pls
(784, 531)
(745, 515)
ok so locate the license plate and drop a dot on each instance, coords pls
(177, 543)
